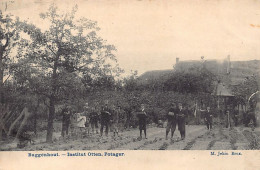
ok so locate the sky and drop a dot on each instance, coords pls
(150, 34)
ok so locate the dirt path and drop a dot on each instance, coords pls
(153, 134)
(192, 135)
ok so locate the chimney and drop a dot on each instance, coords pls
(228, 64)
(177, 59)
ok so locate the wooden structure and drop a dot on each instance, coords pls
(223, 96)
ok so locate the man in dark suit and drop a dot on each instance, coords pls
(142, 120)
(93, 118)
(115, 120)
(171, 117)
(208, 118)
(181, 114)
(236, 115)
(228, 117)
(66, 114)
(251, 118)
(105, 119)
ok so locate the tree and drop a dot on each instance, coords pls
(130, 83)
(69, 46)
(8, 38)
(243, 90)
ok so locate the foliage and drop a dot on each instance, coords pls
(243, 90)
(195, 81)
(53, 61)
(8, 39)
(130, 83)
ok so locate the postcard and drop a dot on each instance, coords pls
(134, 84)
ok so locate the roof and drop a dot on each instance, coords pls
(155, 75)
(239, 70)
(222, 90)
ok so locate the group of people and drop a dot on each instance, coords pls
(230, 117)
(176, 116)
(115, 118)
(109, 118)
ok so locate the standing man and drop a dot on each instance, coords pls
(128, 118)
(122, 118)
(93, 116)
(208, 118)
(85, 117)
(66, 113)
(142, 120)
(228, 117)
(105, 119)
(115, 120)
(86, 113)
(236, 116)
(181, 120)
(251, 116)
(245, 118)
(197, 114)
(171, 117)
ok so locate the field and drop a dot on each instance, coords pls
(197, 138)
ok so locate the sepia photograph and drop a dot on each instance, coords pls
(129, 75)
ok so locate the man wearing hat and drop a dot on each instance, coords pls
(181, 114)
(228, 117)
(208, 118)
(115, 120)
(105, 118)
(171, 117)
(251, 115)
(93, 118)
(86, 113)
(66, 114)
(236, 115)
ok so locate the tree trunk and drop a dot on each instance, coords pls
(35, 123)
(50, 120)
(35, 118)
(52, 103)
